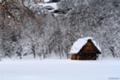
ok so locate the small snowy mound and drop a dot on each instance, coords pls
(42, 8)
(53, 6)
(77, 45)
(46, 0)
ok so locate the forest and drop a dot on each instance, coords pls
(26, 28)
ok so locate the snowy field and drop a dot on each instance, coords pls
(59, 70)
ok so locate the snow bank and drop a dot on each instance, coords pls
(80, 43)
(59, 70)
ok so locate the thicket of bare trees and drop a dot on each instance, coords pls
(19, 28)
(97, 18)
(27, 29)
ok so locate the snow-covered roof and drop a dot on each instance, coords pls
(77, 45)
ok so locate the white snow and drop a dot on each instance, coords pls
(53, 5)
(59, 70)
(46, 0)
(77, 45)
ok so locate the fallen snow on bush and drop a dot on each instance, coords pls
(59, 70)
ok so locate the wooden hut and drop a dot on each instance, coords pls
(85, 49)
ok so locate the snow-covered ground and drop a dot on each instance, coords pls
(59, 70)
